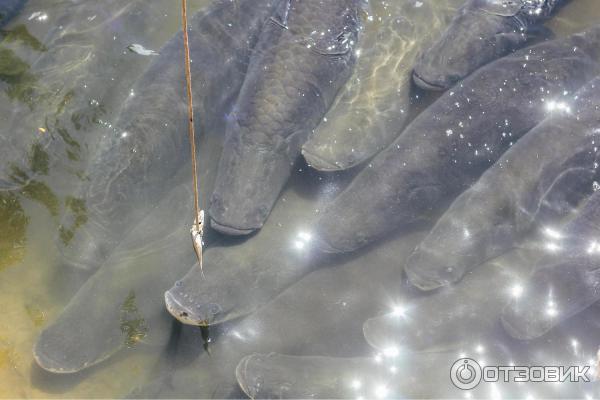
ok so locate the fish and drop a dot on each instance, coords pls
(225, 295)
(418, 341)
(565, 281)
(120, 306)
(535, 185)
(449, 145)
(414, 375)
(8, 10)
(280, 376)
(374, 106)
(322, 313)
(115, 308)
(127, 289)
(133, 163)
(482, 31)
(304, 56)
(454, 317)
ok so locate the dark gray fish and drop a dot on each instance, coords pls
(417, 344)
(320, 314)
(302, 59)
(134, 162)
(539, 180)
(8, 9)
(566, 281)
(278, 376)
(455, 317)
(482, 31)
(120, 306)
(448, 146)
(418, 375)
(374, 106)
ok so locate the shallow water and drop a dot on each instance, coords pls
(35, 287)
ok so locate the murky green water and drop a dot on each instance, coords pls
(49, 92)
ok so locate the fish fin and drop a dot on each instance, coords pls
(539, 33)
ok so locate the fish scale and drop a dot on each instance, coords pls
(300, 63)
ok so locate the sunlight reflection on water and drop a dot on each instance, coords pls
(32, 289)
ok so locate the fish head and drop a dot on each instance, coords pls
(429, 270)
(252, 171)
(474, 38)
(189, 308)
(191, 314)
(203, 300)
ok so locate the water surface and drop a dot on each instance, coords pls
(34, 286)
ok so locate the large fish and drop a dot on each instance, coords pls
(567, 280)
(134, 162)
(8, 9)
(118, 307)
(538, 181)
(456, 317)
(482, 31)
(420, 375)
(417, 344)
(304, 55)
(448, 146)
(374, 106)
(122, 305)
(279, 376)
(320, 314)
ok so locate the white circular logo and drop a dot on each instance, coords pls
(465, 373)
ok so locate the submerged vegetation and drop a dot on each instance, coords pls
(133, 325)
(13, 225)
(20, 34)
(36, 190)
(78, 209)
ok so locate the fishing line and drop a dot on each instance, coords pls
(197, 230)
